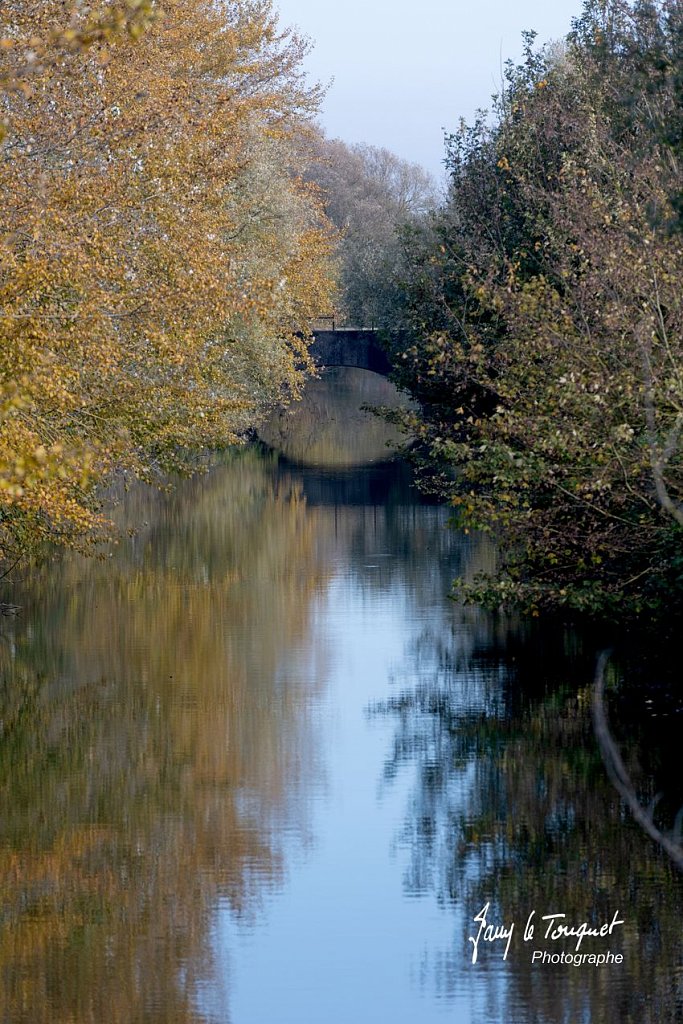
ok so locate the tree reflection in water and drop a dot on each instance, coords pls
(160, 754)
(511, 805)
(153, 751)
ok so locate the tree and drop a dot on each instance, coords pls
(369, 194)
(546, 316)
(161, 258)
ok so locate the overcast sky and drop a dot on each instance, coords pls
(403, 71)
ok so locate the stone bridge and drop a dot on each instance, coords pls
(350, 347)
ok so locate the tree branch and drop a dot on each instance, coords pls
(617, 770)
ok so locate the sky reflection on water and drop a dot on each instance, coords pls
(257, 767)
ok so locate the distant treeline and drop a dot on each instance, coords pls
(544, 301)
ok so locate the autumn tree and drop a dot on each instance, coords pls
(161, 257)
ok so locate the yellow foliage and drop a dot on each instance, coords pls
(160, 257)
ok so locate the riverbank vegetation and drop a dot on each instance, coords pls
(161, 255)
(544, 309)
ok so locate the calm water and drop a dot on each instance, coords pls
(255, 767)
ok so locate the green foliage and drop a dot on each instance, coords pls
(545, 315)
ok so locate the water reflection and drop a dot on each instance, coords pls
(155, 747)
(255, 767)
(331, 425)
(511, 806)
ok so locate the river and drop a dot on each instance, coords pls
(256, 767)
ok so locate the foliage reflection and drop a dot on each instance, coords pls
(512, 805)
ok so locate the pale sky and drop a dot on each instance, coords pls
(405, 71)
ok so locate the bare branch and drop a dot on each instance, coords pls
(617, 770)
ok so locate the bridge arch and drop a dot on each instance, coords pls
(350, 347)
